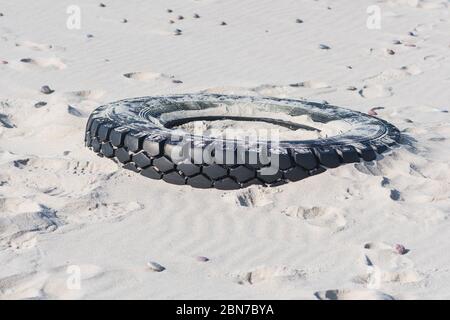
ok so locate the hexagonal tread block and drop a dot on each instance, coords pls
(226, 184)
(174, 178)
(188, 169)
(305, 158)
(133, 141)
(131, 166)
(366, 153)
(95, 126)
(117, 136)
(122, 155)
(151, 173)
(242, 173)
(284, 160)
(267, 175)
(254, 181)
(163, 164)
(199, 181)
(348, 154)
(141, 160)
(153, 145)
(214, 171)
(96, 145)
(107, 150)
(328, 157)
(296, 174)
(104, 130)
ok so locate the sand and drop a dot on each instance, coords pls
(76, 226)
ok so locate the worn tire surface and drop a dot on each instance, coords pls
(138, 134)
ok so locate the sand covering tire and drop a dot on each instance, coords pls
(141, 134)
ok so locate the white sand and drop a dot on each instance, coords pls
(66, 210)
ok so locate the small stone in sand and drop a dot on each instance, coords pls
(26, 60)
(390, 52)
(171, 21)
(296, 85)
(1, 14)
(154, 266)
(201, 259)
(89, 35)
(124, 20)
(65, 153)
(223, 23)
(400, 249)
(178, 32)
(102, 5)
(74, 111)
(180, 17)
(396, 42)
(196, 16)
(46, 90)
(177, 81)
(169, 10)
(324, 47)
(298, 20)
(352, 88)
(40, 104)
(3, 62)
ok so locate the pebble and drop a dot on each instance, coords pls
(390, 52)
(89, 35)
(298, 20)
(352, 88)
(396, 42)
(154, 266)
(196, 16)
(202, 259)
(177, 81)
(178, 32)
(180, 17)
(400, 249)
(296, 85)
(324, 47)
(102, 5)
(26, 60)
(223, 23)
(40, 104)
(169, 10)
(171, 21)
(4, 62)
(1, 14)
(46, 90)
(74, 111)
(124, 20)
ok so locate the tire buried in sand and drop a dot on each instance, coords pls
(140, 133)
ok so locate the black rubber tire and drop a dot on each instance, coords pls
(134, 133)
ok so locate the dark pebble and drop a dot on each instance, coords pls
(178, 32)
(196, 16)
(40, 104)
(223, 23)
(124, 20)
(169, 10)
(177, 81)
(89, 35)
(324, 47)
(26, 60)
(74, 111)
(102, 5)
(171, 21)
(21, 163)
(299, 21)
(46, 90)
(390, 52)
(180, 17)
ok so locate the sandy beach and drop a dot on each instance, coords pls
(77, 226)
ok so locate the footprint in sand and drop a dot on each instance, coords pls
(375, 91)
(252, 197)
(146, 76)
(324, 217)
(47, 63)
(84, 95)
(266, 273)
(386, 265)
(352, 294)
(394, 74)
(54, 283)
